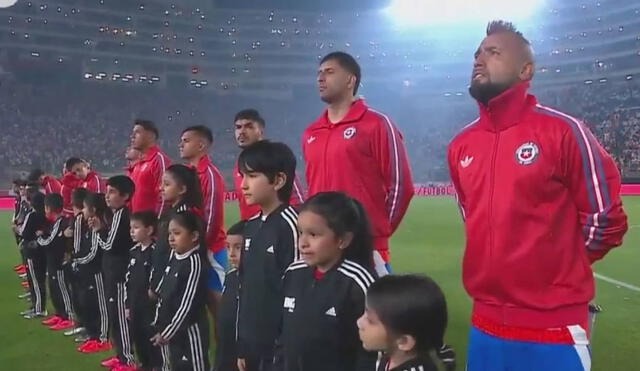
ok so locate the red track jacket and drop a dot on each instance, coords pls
(147, 176)
(364, 156)
(51, 185)
(540, 199)
(69, 184)
(212, 185)
(94, 183)
(248, 211)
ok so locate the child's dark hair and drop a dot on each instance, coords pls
(34, 175)
(236, 229)
(147, 218)
(270, 158)
(187, 177)
(410, 305)
(97, 202)
(344, 214)
(78, 196)
(122, 184)
(36, 199)
(193, 223)
(54, 201)
(71, 162)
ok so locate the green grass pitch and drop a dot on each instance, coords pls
(430, 241)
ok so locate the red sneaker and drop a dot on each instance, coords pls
(87, 344)
(53, 320)
(97, 347)
(64, 324)
(19, 267)
(22, 270)
(112, 362)
(25, 284)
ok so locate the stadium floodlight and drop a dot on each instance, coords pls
(420, 13)
(7, 3)
(88, 75)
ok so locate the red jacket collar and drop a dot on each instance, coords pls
(203, 164)
(150, 153)
(506, 109)
(357, 110)
(70, 180)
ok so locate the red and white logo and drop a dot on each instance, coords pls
(349, 132)
(527, 153)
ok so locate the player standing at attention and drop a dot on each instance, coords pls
(354, 149)
(249, 129)
(147, 172)
(541, 203)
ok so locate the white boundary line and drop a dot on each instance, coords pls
(616, 282)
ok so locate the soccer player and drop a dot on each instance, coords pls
(88, 177)
(195, 144)
(541, 203)
(249, 129)
(147, 172)
(271, 238)
(354, 149)
(69, 183)
(49, 183)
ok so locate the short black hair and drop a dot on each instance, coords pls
(500, 26)
(250, 114)
(148, 125)
(78, 196)
(147, 218)
(123, 184)
(54, 201)
(34, 175)
(236, 229)
(410, 305)
(71, 162)
(270, 158)
(19, 182)
(346, 61)
(36, 199)
(202, 131)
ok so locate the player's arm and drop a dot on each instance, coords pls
(594, 182)
(106, 239)
(286, 250)
(213, 196)
(455, 180)
(391, 155)
(158, 167)
(48, 237)
(189, 282)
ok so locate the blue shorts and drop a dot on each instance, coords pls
(490, 353)
(219, 264)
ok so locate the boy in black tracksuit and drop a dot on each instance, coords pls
(270, 246)
(115, 242)
(226, 349)
(140, 311)
(35, 221)
(54, 244)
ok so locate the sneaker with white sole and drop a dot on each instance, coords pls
(24, 296)
(35, 314)
(75, 331)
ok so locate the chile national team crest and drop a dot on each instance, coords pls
(349, 132)
(527, 153)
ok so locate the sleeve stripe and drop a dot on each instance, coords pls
(187, 298)
(54, 232)
(24, 223)
(292, 219)
(356, 278)
(94, 250)
(357, 268)
(596, 183)
(115, 225)
(212, 197)
(98, 185)
(162, 163)
(396, 189)
(77, 234)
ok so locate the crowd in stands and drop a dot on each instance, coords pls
(42, 128)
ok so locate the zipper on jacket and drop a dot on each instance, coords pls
(492, 182)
